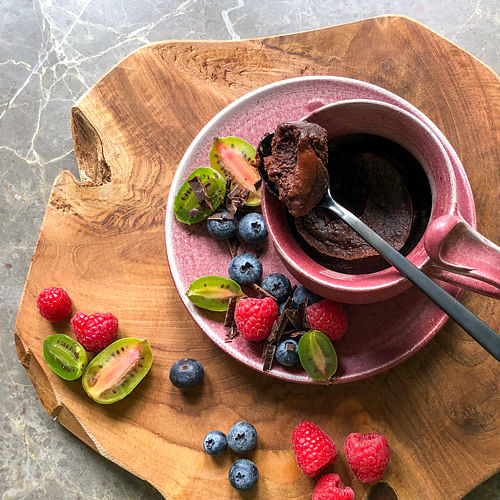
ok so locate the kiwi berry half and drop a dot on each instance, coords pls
(115, 372)
(235, 157)
(187, 208)
(65, 356)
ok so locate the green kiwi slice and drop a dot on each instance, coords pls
(65, 356)
(317, 356)
(187, 207)
(115, 372)
(213, 292)
(235, 157)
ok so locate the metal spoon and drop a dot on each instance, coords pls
(475, 327)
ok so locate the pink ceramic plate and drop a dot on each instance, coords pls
(380, 335)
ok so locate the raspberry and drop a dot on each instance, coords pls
(368, 455)
(94, 332)
(54, 304)
(328, 317)
(330, 487)
(255, 317)
(313, 448)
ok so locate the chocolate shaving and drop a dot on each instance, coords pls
(269, 351)
(301, 312)
(231, 333)
(274, 338)
(233, 245)
(297, 316)
(289, 346)
(220, 216)
(236, 199)
(200, 192)
(261, 291)
(257, 184)
(231, 306)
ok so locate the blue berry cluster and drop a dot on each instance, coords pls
(241, 438)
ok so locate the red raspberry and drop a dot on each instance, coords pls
(94, 332)
(54, 304)
(368, 455)
(328, 317)
(313, 448)
(255, 317)
(330, 487)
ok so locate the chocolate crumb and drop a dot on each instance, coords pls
(257, 184)
(200, 192)
(231, 306)
(289, 346)
(194, 212)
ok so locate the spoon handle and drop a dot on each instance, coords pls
(475, 327)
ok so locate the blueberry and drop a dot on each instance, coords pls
(252, 228)
(186, 373)
(278, 285)
(301, 293)
(215, 443)
(245, 269)
(243, 474)
(287, 353)
(242, 437)
(222, 229)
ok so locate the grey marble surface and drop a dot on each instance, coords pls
(51, 52)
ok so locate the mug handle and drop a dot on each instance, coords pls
(462, 256)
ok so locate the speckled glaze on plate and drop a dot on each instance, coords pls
(380, 335)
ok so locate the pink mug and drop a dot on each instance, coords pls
(450, 249)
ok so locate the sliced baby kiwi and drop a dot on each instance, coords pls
(317, 356)
(116, 371)
(188, 209)
(213, 292)
(65, 356)
(235, 157)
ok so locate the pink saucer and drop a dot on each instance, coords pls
(380, 335)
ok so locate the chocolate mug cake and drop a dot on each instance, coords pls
(373, 177)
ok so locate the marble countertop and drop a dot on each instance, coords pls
(51, 52)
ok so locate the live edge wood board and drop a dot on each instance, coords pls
(103, 239)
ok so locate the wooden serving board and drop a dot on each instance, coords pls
(103, 240)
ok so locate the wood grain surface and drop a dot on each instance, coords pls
(103, 240)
